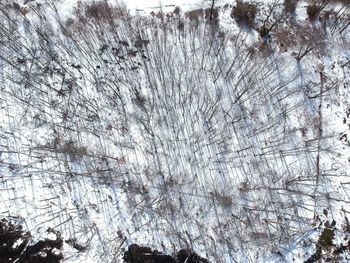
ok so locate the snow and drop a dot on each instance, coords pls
(67, 7)
(192, 142)
(184, 4)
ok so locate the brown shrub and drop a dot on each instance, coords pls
(21, 9)
(194, 14)
(303, 39)
(285, 39)
(244, 14)
(100, 11)
(313, 11)
(97, 10)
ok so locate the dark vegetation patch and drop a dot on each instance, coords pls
(194, 15)
(98, 13)
(290, 5)
(210, 15)
(17, 245)
(137, 254)
(305, 39)
(326, 249)
(313, 11)
(101, 11)
(244, 14)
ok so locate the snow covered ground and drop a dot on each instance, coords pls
(169, 130)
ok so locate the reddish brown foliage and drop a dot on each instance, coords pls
(244, 14)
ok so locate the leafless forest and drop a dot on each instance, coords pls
(222, 130)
